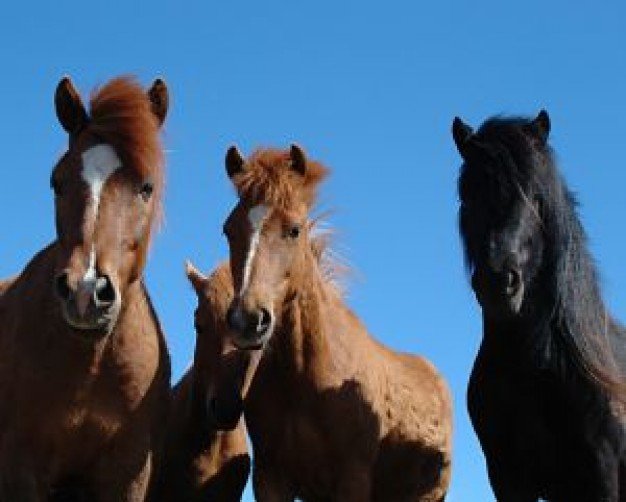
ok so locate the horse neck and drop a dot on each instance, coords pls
(302, 341)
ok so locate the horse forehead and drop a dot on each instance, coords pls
(256, 216)
(99, 163)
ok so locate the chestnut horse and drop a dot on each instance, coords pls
(332, 413)
(550, 376)
(206, 456)
(84, 370)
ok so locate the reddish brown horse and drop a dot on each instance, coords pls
(84, 371)
(332, 413)
(207, 455)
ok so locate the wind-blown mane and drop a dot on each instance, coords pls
(575, 322)
(267, 179)
(333, 266)
(121, 115)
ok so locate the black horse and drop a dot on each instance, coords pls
(547, 392)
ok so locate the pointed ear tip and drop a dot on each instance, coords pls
(65, 83)
(543, 121)
(190, 269)
(159, 85)
(543, 115)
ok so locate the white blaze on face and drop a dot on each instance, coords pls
(256, 216)
(99, 163)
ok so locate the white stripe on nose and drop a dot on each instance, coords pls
(99, 163)
(87, 285)
(256, 216)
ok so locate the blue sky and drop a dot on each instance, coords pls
(368, 88)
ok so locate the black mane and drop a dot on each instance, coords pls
(573, 329)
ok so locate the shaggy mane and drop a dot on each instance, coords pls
(268, 179)
(575, 322)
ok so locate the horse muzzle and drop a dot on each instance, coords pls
(499, 293)
(252, 328)
(91, 304)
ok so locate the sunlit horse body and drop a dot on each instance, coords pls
(84, 371)
(206, 457)
(547, 386)
(332, 414)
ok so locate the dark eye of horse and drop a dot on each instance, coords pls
(293, 232)
(146, 191)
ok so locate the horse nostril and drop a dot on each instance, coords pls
(105, 292)
(62, 287)
(264, 321)
(231, 318)
(513, 280)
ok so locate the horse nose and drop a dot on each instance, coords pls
(104, 294)
(233, 319)
(264, 321)
(101, 292)
(252, 323)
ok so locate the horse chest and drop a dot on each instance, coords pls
(521, 419)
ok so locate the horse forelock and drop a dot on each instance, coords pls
(121, 115)
(268, 179)
(577, 312)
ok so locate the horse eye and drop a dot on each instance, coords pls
(146, 191)
(294, 232)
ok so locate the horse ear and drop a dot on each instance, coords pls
(540, 127)
(159, 99)
(198, 279)
(69, 107)
(298, 159)
(461, 133)
(234, 161)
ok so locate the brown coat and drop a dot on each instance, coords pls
(206, 456)
(84, 370)
(332, 413)
(75, 409)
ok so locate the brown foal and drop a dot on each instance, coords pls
(332, 413)
(207, 455)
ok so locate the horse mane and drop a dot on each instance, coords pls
(576, 316)
(333, 266)
(269, 179)
(121, 115)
